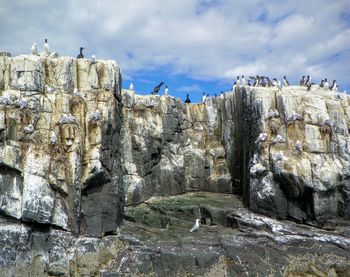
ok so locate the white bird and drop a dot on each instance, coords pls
(34, 49)
(279, 84)
(261, 138)
(285, 81)
(222, 95)
(278, 139)
(204, 97)
(195, 226)
(166, 91)
(325, 84)
(334, 86)
(243, 81)
(67, 118)
(238, 81)
(50, 89)
(274, 82)
(131, 87)
(53, 139)
(95, 116)
(299, 146)
(294, 117)
(93, 59)
(29, 129)
(47, 48)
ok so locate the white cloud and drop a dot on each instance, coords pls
(191, 88)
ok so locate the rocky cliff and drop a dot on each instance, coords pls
(78, 155)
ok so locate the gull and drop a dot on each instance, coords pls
(261, 138)
(294, 117)
(131, 87)
(299, 146)
(195, 226)
(34, 49)
(53, 139)
(50, 89)
(278, 139)
(29, 129)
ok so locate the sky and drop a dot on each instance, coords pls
(194, 46)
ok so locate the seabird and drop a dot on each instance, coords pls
(302, 81)
(188, 100)
(285, 81)
(261, 138)
(243, 81)
(34, 49)
(278, 139)
(81, 56)
(257, 81)
(29, 129)
(95, 116)
(294, 117)
(325, 84)
(131, 87)
(272, 114)
(263, 82)
(279, 84)
(67, 118)
(334, 86)
(274, 82)
(157, 88)
(248, 83)
(195, 226)
(204, 98)
(93, 59)
(309, 86)
(238, 82)
(46, 48)
(222, 95)
(322, 84)
(299, 146)
(53, 139)
(166, 90)
(269, 83)
(50, 89)
(308, 80)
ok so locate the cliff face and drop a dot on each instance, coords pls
(74, 149)
(56, 155)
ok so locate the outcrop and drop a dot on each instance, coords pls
(99, 181)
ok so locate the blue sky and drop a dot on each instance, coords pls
(192, 45)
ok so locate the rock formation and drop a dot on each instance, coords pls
(78, 155)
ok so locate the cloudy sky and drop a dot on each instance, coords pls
(192, 45)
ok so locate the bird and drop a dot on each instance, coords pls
(157, 88)
(81, 56)
(299, 146)
(204, 98)
(93, 59)
(322, 84)
(274, 82)
(131, 87)
(302, 81)
(34, 49)
(309, 86)
(325, 84)
(238, 81)
(243, 81)
(188, 100)
(195, 226)
(272, 114)
(308, 80)
(294, 117)
(95, 116)
(50, 89)
(22, 104)
(279, 84)
(53, 139)
(46, 48)
(222, 95)
(278, 139)
(257, 81)
(29, 129)
(334, 86)
(166, 90)
(67, 118)
(261, 138)
(285, 81)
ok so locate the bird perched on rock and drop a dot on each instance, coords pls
(325, 84)
(131, 87)
(238, 81)
(334, 86)
(93, 59)
(67, 118)
(53, 139)
(81, 55)
(46, 48)
(279, 84)
(308, 80)
(278, 139)
(157, 88)
(309, 85)
(166, 90)
(34, 49)
(299, 146)
(285, 81)
(188, 100)
(302, 81)
(28, 129)
(50, 89)
(95, 116)
(322, 84)
(274, 82)
(222, 95)
(204, 97)
(243, 83)
(294, 117)
(272, 114)
(195, 226)
(261, 138)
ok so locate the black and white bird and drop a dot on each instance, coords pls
(131, 87)
(278, 139)
(285, 81)
(334, 86)
(294, 117)
(299, 146)
(188, 100)
(243, 83)
(46, 48)
(53, 138)
(302, 81)
(81, 55)
(34, 49)
(308, 80)
(238, 81)
(28, 129)
(279, 84)
(49, 89)
(322, 84)
(325, 84)
(166, 90)
(195, 226)
(204, 97)
(157, 88)
(261, 138)
(222, 95)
